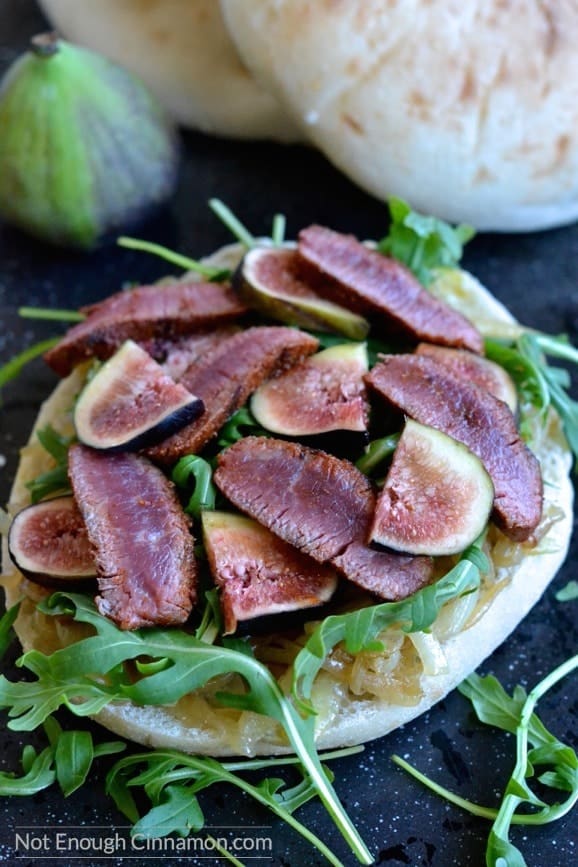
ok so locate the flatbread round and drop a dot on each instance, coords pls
(469, 111)
(181, 49)
(357, 699)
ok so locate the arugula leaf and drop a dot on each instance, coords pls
(241, 424)
(7, 634)
(76, 676)
(540, 385)
(359, 630)
(172, 781)
(199, 471)
(214, 275)
(515, 714)
(421, 242)
(568, 593)
(54, 480)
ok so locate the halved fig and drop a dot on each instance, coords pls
(272, 280)
(324, 393)
(49, 544)
(437, 496)
(476, 368)
(132, 403)
(258, 573)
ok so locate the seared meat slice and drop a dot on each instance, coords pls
(314, 501)
(475, 368)
(226, 376)
(387, 574)
(382, 288)
(430, 393)
(166, 311)
(177, 354)
(140, 534)
(258, 573)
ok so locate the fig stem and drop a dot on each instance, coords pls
(45, 44)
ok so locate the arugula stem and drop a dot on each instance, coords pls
(556, 347)
(278, 231)
(50, 313)
(225, 852)
(170, 256)
(233, 224)
(13, 367)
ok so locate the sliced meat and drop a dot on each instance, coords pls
(163, 311)
(225, 378)
(316, 502)
(177, 354)
(475, 368)
(430, 393)
(258, 573)
(144, 549)
(388, 575)
(367, 282)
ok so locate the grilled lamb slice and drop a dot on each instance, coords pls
(475, 368)
(163, 311)
(258, 573)
(144, 549)
(225, 377)
(386, 574)
(430, 393)
(316, 502)
(383, 289)
(177, 354)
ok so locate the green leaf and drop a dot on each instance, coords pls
(568, 593)
(7, 634)
(54, 480)
(495, 707)
(360, 629)
(241, 424)
(38, 774)
(376, 453)
(421, 242)
(198, 473)
(73, 759)
(178, 813)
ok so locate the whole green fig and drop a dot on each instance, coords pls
(84, 148)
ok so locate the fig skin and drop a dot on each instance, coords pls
(271, 281)
(324, 393)
(131, 403)
(49, 544)
(85, 150)
(437, 496)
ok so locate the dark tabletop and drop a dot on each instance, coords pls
(535, 275)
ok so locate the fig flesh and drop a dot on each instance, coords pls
(49, 544)
(324, 393)
(259, 574)
(477, 369)
(437, 496)
(271, 280)
(132, 403)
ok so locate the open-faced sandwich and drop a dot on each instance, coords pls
(296, 488)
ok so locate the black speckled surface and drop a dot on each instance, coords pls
(536, 275)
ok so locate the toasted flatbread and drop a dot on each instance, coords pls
(360, 698)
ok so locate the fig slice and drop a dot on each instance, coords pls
(273, 281)
(324, 393)
(258, 573)
(437, 496)
(49, 544)
(131, 403)
(477, 369)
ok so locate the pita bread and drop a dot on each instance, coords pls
(182, 51)
(469, 111)
(357, 699)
